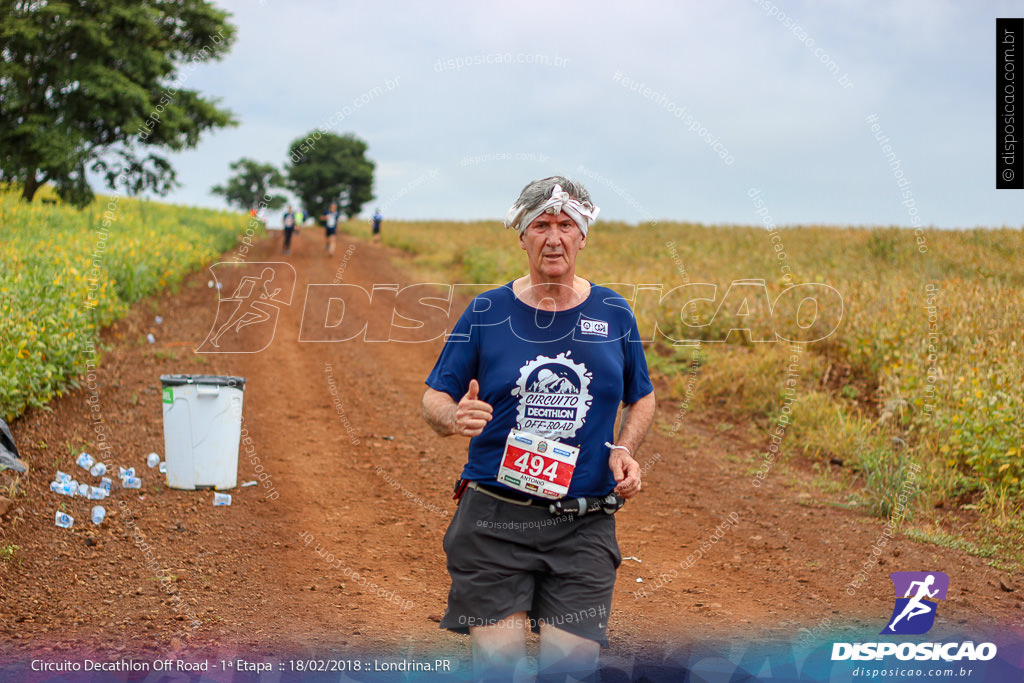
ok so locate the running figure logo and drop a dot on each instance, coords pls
(914, 613)
(246, 320)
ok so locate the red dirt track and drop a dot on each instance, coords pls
(351, 467)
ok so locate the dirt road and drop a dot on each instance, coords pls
(339, 547)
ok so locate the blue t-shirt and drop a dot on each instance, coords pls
(560, 375)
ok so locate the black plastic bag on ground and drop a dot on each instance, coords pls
(8, 451)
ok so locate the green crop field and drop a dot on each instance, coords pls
(65, 273)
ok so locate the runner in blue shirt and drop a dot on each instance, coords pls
(534, 372)
(330, 220)
(378, 217)
(288, 223)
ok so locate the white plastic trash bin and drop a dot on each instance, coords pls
(202, 427)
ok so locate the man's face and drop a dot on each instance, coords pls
(334, 207)
(551, 243)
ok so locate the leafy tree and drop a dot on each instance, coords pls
(326, 168)
(251, 184)
(98, 85)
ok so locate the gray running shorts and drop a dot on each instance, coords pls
(505, 558)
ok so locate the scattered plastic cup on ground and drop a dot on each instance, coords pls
(63, 520)
(131, 482)
(85, 461)
(83, 490)
(152, 460)
(98, 513)
(62, 476)
(97, 493)
(123, 472)
(106, 483)
(150, 338)
(98, 470)
(159, 320)
(222, 499)
(64, 488)
(163, 467)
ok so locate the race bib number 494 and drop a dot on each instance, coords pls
(538, 466)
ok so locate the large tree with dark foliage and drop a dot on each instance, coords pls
(326, 168)
(250, 187)
(100, 86)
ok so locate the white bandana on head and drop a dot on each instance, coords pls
(584, 215)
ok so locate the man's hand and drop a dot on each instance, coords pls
(626, 472)
(472, 414)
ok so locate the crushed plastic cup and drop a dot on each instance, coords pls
(123, 472)
(62, 477)
(83, 490)
(106, 483)
(97, 493)
(98, 470)
(150, 338)
(222, 499)
(63, 520)
(64, 488)
(163, 467)
(131, 482)
(159, 320)
(153, 459)
(85, 461)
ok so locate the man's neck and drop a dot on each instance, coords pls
(547, 295)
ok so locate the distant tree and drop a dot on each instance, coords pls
(252, 183)
(326, 168)
(98, 86)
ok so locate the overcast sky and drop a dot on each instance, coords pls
(462, 103)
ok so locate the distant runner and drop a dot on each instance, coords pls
(377, 218)
(289, 228)
(330, 220)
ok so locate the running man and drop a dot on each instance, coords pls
(289, 229)
(250, 309)
(543, 362)
(916, 605)
(378, 217)
(330, 220)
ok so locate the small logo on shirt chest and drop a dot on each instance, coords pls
(598, 328)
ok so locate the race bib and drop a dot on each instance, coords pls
(537, 466)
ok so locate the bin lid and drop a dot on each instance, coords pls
(215, 380)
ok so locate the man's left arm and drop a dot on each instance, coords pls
(636, 421)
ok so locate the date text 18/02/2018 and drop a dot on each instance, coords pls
(329, 665)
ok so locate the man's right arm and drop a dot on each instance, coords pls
(439, 411)
(468, 417)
